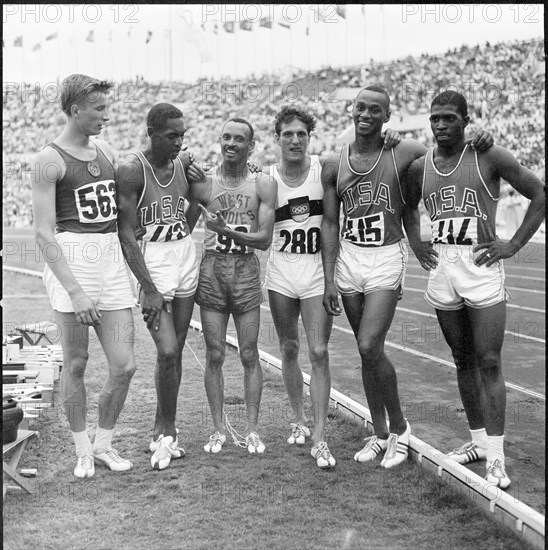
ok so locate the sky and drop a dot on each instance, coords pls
(43, 43)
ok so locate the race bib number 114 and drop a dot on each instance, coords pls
(462, 231)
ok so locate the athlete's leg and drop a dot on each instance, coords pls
(317, 325)
(354, 309)
(247, 330)
(166, 376)
(214, 326)
(488, 328)
(378, 311)
(182, 314)
(285, 314)
(74, 341)
(116, 335)
(458, 333)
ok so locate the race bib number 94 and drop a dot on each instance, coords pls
(455, 231)
(226, 245)
(366, 231)
(96, 202)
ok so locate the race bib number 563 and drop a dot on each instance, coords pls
(96, 202)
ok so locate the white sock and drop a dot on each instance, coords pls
(82, 442)
(103, 438)
(479, 437)
(495, 448)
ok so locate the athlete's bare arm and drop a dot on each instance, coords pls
(129, 186)
(43, 204)
(424, 251)
(498, 163)
(267, 192)
(330, 233)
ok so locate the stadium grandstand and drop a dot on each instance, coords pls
(503, 84)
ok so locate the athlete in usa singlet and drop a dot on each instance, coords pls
(462, 209)
(161, 208)
(372, 204)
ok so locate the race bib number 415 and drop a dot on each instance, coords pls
(96, 202)
(455, 231)
(366, 231)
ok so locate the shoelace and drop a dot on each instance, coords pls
(323, 451)
(297, 430)
(392, 446)
(497, 469)
(370, 441)
(253, 439)
(114, 456)
(86, 461)
(214, 439)
(465, 448)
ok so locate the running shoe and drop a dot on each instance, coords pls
(321, 453)
(397, 448)
(469, 452)
(111, 459)
(215, 443)
(497, 474)
(162, 457)
(177, 452)
(85, 467)
(299, 433)
(373, 448)
(254, 443)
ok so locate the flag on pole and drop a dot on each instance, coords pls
(52, 36)
(149, 37)
(90, 37)
(37, 47)
(18, 43)
(265, 22)
(341, 11)
(283, 23)
(246, 25)
(229, 26)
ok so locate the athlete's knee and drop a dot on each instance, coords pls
(215, 357)
(489, 363)
(76, 364)
(249, 357)
(318, 354)
(124, 371)
(289, 349)
(464, 360)
(167, 357)
(370, 351)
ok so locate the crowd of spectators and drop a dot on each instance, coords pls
(503, 85)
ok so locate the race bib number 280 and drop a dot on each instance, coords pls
(96, 202)
(366, 231)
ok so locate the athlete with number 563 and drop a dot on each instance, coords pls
(74, 204)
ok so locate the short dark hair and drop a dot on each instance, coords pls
(78, 87)
(378, 90)
(289, 113)
(450, 97)
(160, 114)
(242, 121)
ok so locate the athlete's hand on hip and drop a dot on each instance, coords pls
(85, 310)
(152, 304)
(493, 252)
(214, 222)
(391, 138)
(481, 140)
(425, 253)
(331, 300)
(253, 167)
